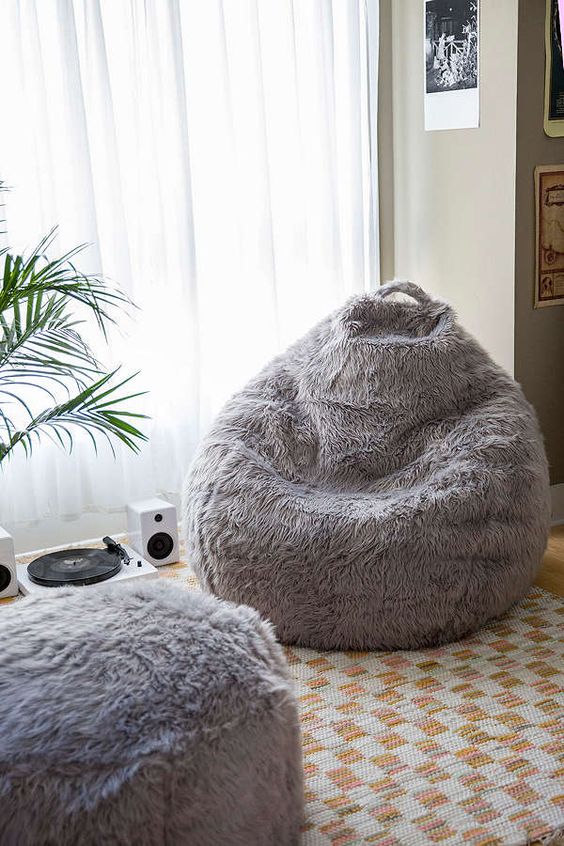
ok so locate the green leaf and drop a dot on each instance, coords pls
(41, 348)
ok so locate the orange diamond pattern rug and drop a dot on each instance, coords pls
(458, 745)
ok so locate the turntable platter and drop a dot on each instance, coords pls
(74, 567)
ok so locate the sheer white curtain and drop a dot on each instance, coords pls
(219, 156)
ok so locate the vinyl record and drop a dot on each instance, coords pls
(74, 567)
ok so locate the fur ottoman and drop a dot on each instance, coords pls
(382, 484)
(145, 715)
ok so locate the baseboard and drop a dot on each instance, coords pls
(557, 496)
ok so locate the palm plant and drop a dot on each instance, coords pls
(43, 354)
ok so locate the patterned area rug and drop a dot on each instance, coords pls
(458, 745)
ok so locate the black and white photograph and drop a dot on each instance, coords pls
(451, 45)
(451, 64)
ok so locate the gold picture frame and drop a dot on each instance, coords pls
(549, 236)
(554, 72)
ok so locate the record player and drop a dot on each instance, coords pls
(89, 567)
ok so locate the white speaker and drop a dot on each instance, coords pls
(153, 530)
(8, 574)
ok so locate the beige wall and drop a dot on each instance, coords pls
(539, 333)
(454, 192)
(386, 143)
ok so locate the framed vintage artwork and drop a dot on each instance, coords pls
(452, 67)
(549, 199)
(554, 69)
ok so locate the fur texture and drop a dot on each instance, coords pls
(380, 485)
(145, 715)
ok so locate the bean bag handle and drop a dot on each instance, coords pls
(403, 286)
(438, 308)
(358, 312)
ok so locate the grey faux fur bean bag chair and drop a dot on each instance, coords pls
(382, 484)
(143, 716)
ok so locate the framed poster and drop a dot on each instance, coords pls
(451, 54)
(554, 69)
(549, 199)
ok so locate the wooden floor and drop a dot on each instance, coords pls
(551, 576)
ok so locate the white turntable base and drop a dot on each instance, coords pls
(127, 573)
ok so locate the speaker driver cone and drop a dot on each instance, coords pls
(160, 546)
(5, 577)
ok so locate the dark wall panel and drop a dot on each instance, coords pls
(539, 333)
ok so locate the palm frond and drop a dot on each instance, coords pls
(89, 410)
(29, 275)
(41, 339)
(42, 352)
